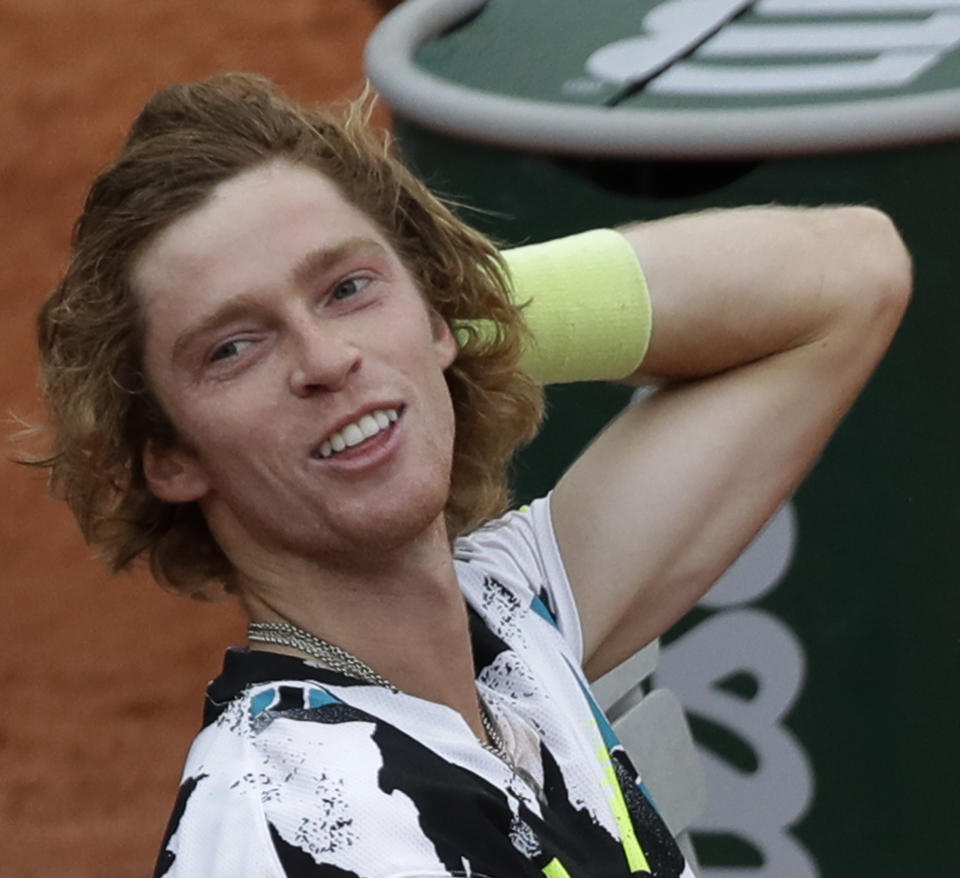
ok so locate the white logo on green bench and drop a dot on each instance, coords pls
(706, 47)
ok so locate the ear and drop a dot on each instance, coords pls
(173, 474)
(445, 343)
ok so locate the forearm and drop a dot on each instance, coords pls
(733, 287)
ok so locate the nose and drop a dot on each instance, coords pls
(323, 359)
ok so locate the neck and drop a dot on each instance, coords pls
(401, 613)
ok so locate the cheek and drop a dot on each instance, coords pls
(218, 431)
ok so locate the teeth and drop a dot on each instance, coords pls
(353, 434)
(368, 426)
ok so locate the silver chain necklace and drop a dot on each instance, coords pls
(337, 659)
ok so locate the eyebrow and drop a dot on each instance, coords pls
(306, 272)
(318, 261)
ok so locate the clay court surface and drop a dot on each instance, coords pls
(102, 678)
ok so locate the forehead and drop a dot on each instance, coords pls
(251, 228)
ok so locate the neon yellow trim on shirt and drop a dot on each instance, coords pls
(636, 859)
(555, 869)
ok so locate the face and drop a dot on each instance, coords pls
(299, 363)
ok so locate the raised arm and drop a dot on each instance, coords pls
(767, 322)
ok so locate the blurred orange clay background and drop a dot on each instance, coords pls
(101, 677)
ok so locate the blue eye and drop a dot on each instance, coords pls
(227, 350)
(349, 287)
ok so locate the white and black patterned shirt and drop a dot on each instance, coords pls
(302, 771)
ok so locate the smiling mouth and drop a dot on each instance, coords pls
(350, 435)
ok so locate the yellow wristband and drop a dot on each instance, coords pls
(587, 307)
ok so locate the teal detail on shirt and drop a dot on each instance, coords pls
(606, 730)
(541, 609)
(321, 698)
(261, 701)
(610, 738)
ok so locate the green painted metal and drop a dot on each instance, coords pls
(492, 51)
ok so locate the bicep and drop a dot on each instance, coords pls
(671, 492)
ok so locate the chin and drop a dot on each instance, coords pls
(405, 525)
(406, 517)
(363, 527)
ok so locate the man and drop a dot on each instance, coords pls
(278, 364)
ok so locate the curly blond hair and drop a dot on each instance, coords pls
(187, 140)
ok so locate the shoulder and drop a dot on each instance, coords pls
(218, 824)
(285, 781)
(513, 564)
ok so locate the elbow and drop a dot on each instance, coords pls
(868, 279)
(883, 283)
